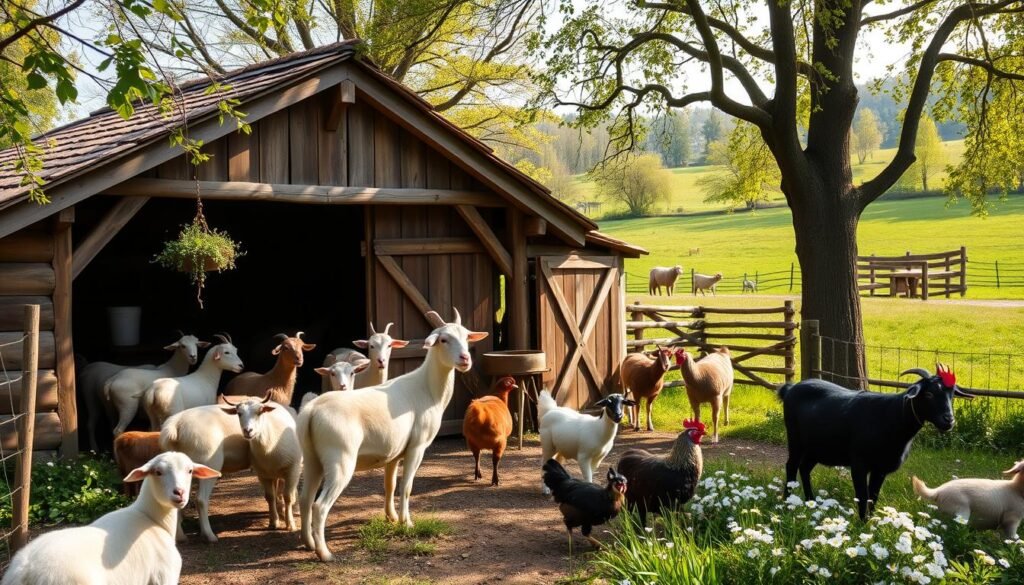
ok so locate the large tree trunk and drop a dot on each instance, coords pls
(825, 223)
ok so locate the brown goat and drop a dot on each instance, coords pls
(132, 449)
(644, 377)
(280, 380)
(487, 425)
(708, 380)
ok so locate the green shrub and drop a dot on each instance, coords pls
(198, 249)
(636, 555)
(71, 492)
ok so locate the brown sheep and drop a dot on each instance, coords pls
(133, 449)
(662, 276)
(280, 380)
(708, 380)
(487, 425)
(644, 377)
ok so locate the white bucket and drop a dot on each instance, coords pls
(124, 325)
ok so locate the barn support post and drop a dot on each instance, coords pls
(26, 428)
(519, 302)
(63, 271)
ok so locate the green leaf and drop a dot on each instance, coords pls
(35, 80)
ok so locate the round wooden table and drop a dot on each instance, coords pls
(527, 366)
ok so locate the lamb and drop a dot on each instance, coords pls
(644, 378)
(487, 425)
(708, 380)
(695, 251)
(168, 396)
(567, 434)
(120, 393)
(662, 276)
(749, 285)
(280, 380)
(274, 451)
(133, 449)
(380, 426)
(340, 375)
(986, 504)
(130, 545)
(703, 282)
(869, 432)
(378, 346)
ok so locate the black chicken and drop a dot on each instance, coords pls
(664, 480)
(582, 503)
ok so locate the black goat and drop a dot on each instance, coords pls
(868, 432)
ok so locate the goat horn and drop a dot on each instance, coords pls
(221, 338)
(266, 398)
(299, 334)
(372, 330)
(280, 337)
(919, 371)
(434, 318)
(180, 333)
(225, 398)
(228, 335)
(387, 328)
(458, 317)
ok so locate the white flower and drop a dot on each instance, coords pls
(812, 569)
(778, 552)
(669, 544)
(1004, 563)
(851, 552)
(49, 463)
(940, 558)
(866, 537)
(959, 519)
(905, 544)
(918, 559)
(934, 570)
(774, 570)
(648, 529)
(794, 500)
(740, 539)
(881, 553)
(792, 485)
(754, 553)
(811, 504)
(824, 572)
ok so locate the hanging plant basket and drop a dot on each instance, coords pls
(198, 250)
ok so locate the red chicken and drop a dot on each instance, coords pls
(582, 503)
(657, 481)
(488, 424)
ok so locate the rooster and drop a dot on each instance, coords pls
(664, 480)
(582, 503)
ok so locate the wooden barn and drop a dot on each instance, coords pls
(355, 202)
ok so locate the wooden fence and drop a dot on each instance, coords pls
(916, 275)
(765, 333)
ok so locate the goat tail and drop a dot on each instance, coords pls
(782, 390)
(545, 403)
(923, 490)
(169, 434)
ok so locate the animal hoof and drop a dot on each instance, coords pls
(212, 538)
(325, 556)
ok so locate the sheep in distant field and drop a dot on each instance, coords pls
(749, 285)
(380, 426)
(703, 282)
(984, 503)
(280, 380)
(168, 396)
(644, 378)
(378, 346)
(662, 276)
(694, 251)
(133, 449)
(130, 545)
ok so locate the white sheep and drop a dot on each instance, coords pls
(662, 276)
(984, 503)
(567, 434)
(130, 545)
(703, 282)
(122, 393)
(749, 285)
(168, 396)
(378, 346)
(214, 438)
(274, 451)
(380, 426)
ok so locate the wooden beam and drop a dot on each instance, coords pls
(108, 227)
(67, 408)
(490, 241)
(309, 194)
(341, 97)
(407, 286)
(536, 226)
(27, 246)
(425, 246)
(23, 278)
(517, 285)
(95, 178)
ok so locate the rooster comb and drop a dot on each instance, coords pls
(693, 424)
(946, 375)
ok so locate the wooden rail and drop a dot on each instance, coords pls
(916, 275)
(704, 329)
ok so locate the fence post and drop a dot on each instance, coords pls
(637, 333)
(963, 270)
(790, 277)
(26, 427)
(997, 273)
(693, 287)
(810, 350)
(790, 318)
(924, 281)
(757, 281)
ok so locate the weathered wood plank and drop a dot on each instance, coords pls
(333, 151)
(490, 241)
(176, 168)
(12, 312)
(303, 137)
(338, 99)
(46, 391)
(108, 227)
(274, 148)
(427, 246)
(244, 155)
(360, 146)
(387, 163)
(47, 434)
(63, 342)
(408, 288)
(23, 278)
(517, 283)
(12, 353)
(27, 246)
(216, 168)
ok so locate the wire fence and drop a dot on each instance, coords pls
(18, 374)
(995, 274)
(777, 281)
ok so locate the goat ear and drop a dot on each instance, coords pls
(430, 341)
(203, 344)
(173, 346)
(232, 410)
(361, 366)
(1017, 468)
(323, 371)
(276, 350)
(200, 471)
(914, 390)
(267, 408)
(475, 336)
(602, 402)
(361, 343)
(308, 346)
(137, 474)
(399, 343)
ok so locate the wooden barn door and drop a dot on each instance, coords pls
(581, 325)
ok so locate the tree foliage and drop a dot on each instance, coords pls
(748, 174)
(637, 181)
(669, 136)
(867, 134)
(711, 130)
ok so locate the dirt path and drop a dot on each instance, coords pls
(509, 534)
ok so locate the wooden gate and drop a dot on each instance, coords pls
(580, 309)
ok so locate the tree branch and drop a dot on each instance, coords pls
(896, 13)
(252, 33)
(36, 23)
(785, 142)
(982, 64)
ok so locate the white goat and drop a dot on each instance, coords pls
(703, 282)
(130, 545)
(122, 393)
(212, 437)
(380, 426)
(984, 503)
(274, 451)
(378, 346)
(749, 285)
(340, 375)
(168, 396)
(567, 434)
